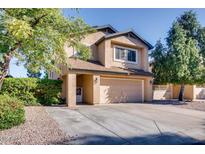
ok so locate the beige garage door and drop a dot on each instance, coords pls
(114, 90)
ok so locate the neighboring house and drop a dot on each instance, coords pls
(118, 71)
(170, 91)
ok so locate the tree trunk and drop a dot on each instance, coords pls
(1, 85)
(5, 65)
(2, 77)
(4, 69)
(181, 93)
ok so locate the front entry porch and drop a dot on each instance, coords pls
(81, 89)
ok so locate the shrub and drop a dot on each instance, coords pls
(33, 91)
(48, 92)
(21, 88)
(12, 112)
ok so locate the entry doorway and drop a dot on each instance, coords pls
(79, 94)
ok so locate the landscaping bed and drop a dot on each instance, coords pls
(39, 128)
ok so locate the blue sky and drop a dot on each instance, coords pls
(151, 24)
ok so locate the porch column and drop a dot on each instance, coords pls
(96, 89)
(148, 90)
(71, 90)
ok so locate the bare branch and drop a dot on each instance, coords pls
(37, 20)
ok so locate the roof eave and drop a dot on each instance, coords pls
(111, 72)
(104, 27)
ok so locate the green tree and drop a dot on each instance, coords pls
(201, 42)
(37, 37)
(183, 58)
(32, 74)
(189, 22)
(158, 63)
(45, 75)
(83, 52)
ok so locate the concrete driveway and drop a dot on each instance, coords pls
(130, 124)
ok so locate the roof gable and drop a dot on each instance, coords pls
(131, 33)
(106, 27)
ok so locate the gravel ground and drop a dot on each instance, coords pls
(194, 105)
(39, 128)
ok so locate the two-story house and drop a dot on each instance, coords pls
(118, 71)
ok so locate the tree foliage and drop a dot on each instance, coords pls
(181, 61)
(12, 112)
(184, 59)
(33, 91)
(83, 52)
(189, 22)
(158, 63)
(37, 37)
(201, 42)
(32, 74)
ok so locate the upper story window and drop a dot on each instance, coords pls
(125, 54)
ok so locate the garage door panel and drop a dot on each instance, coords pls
(120, 91)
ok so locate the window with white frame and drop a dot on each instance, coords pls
(125, 54)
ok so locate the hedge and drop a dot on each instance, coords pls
(12, 112)
(33, 91)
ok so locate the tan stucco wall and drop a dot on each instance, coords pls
(148, 92)
(101, 53)
(131, 43)
(199, 92)
(176, 89)
(106, 53)
(96, 89)
(91, 85)
(162, 92)
(125, 64)
(145, 59)
(71, 90)
(191, 92)
(87, 89)
(79, 80)
(63, 93)
(188, 91)
(89, 41)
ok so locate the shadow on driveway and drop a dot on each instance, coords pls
(164, 139)
(130, 124)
